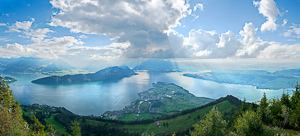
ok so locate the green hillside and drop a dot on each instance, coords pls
(163, 99)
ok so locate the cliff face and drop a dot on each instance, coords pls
(110, 73)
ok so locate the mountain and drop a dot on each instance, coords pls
(110, 73)
(162, 99)
(260, 78)
(58, 65)
(157, 66)
(34, 66)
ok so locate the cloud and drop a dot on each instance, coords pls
(47, 48)
(38, 35)
(198, 6)
(249, 34)
(17, 50)
(24, 25)
(275, 51)
(284, 22)
(269, 10)
(293, 31)
(209, 44)
(4, 39)
(3, 24)
(143, 23)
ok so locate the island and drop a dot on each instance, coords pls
(9, 79)
(110, 73)
(262, 79)
(162, 99)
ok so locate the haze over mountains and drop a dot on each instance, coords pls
(33, 65)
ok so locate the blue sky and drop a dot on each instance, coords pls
(75, 30)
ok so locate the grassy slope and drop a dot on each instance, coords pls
(182, 122)
(60, 130)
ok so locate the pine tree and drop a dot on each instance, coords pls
(244, 105)
(285, 99)
(263, 109)
(38, 127)
(76, 130)
(253, 107)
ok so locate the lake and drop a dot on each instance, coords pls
(97, 97)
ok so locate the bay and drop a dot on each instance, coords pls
(97, 97)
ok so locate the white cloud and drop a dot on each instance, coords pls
(269, 10)
(293, 31)
(3, 24)
(249, 34)
(4, 39)
(198, 6)
(38, 35)
(143, 23)
(24, 25)
(276, 50)
(17, 50)
(47, 48)
(284, 22)
(209, 44)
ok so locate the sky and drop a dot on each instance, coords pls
(108, 30)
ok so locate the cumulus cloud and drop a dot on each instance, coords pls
(143, 23)
(23, 25)
(209, 44)
(249, 34)
(269, 10)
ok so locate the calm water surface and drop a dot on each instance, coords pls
(98, 97)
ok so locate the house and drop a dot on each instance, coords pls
(158, 124)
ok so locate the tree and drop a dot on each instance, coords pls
(253, 107)
(11, 120)
(248, 124)
(285, 114)
(276, 112)
(212, 124)
(263, 109)
(285, 99)
(76, 130)
(38, 127)
(244, 105)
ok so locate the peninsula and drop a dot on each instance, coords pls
(162, 99)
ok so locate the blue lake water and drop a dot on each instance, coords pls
(98, 97)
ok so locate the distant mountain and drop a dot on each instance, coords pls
(110, 73)
(33, 65)
(288, 72)
(58, 65)
(260, 78)
(157, 66)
